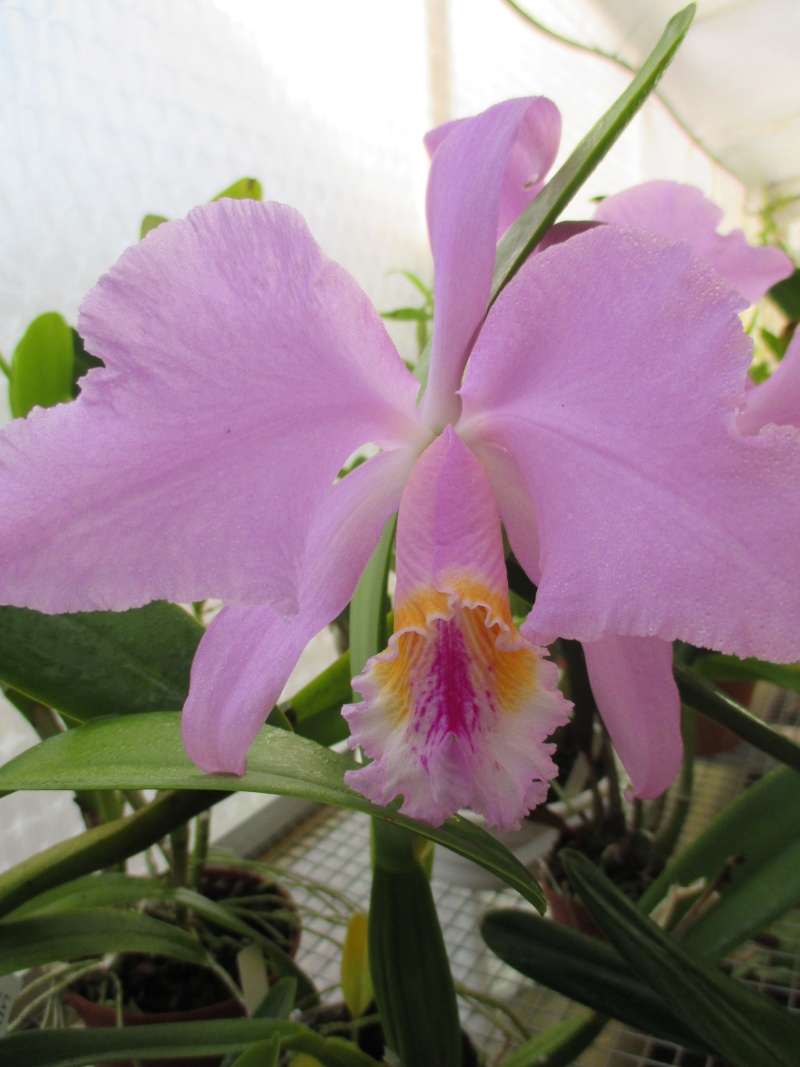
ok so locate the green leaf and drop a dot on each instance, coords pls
(414, 989)
(243, 189)
(407, 315)
(45, 939)
(737, 1023)
(42, 365)
(720, 668)
(560, 1044)
(145, 751)
(370, 604)
(280, 1000)
(524, 234)
(786, 295)
(584, 969)
(111, 889)
(101, 662)
(262, 1054)
(763, 884)
(712, 703)
(78, 1048)
(151, 222)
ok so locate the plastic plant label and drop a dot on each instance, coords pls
(10, 986)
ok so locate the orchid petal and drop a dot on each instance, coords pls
(242, 369)
(483, 172)
(617, 401)
(456, 711)
(682, 213)
(636, 694)
(515, 505)
(778, 398)
(247, 654)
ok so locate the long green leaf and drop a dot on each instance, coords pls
(582, 968)
(112, 889)
(262, 1054)
(42, 364)
(540, 215)
(145, 751)
(101, 662)
(49, 938)
(81, 1048)
(559, 1045)
(714, 704)
(737, 1023)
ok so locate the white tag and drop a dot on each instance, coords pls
(252, 976)
(10, 986)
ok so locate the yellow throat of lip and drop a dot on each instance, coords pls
(456, 662)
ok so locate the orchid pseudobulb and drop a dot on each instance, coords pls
(592, 412)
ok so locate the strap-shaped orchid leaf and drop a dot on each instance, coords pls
(523, 236)
(763, 885)
(559, 1044)
(733, 1020)
(76, 1048)
(145, 751)
(100, 663)
(262, 1054)
(584, 969)
(714, 704)
(44, 939)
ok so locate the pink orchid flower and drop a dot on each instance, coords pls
(592, 412)
(682, 213)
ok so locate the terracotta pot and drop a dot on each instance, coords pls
(98, 1016)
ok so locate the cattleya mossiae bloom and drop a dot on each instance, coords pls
(593, 412)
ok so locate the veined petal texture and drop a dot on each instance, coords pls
(242, 369)
(457, 710)
(612, 368)
(682, 213)
(247, 653)
(484, 170)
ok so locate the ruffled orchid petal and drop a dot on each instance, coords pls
(636, 694)
(483, 171)
(682, 213)
(247, 654)
(618, 404)
(456, 711)
(242, 369)
(778, 398)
